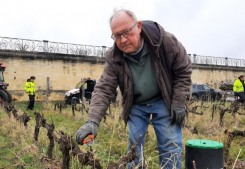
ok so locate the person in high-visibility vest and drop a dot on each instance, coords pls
(30, 91)
(238, 88)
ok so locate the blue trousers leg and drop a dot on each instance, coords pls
(169, 136)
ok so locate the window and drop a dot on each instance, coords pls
(207, 88)
(200, 87)
(79, 85)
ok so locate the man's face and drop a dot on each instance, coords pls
(243, 78)
(32, 80)
(121, 24)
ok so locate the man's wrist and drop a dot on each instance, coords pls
(92, 123)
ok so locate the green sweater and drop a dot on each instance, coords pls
(146, 89)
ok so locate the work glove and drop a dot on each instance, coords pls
(235, 93)
(88, 128)
(177, 114)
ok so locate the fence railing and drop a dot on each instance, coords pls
(27, 45)
(210, 60)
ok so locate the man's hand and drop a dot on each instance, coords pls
(88, 128)
(177, 114)
(235, 93)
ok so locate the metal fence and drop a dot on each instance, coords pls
(27, 45)
(210, 60)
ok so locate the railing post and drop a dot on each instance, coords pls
(103, 50)
(22, 45)
(86, 51)
(45, 46)
(194, 58)
(190, 56)
(226, 61)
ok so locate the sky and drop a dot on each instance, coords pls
(205, 27)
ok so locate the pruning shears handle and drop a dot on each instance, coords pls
(90, 138)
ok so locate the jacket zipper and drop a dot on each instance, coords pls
(159, 77)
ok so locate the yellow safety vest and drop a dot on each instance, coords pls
(30, 88)
(237, 86)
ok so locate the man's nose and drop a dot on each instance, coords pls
(123, 39)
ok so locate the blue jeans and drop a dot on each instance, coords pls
(169, 136)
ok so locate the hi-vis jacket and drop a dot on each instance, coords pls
(30, 88)
(237, 86)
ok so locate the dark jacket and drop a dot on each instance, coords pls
(171, 65)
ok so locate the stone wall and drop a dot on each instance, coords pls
(65, 71)
(212, 75)
(63, 74)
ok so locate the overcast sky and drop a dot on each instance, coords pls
(205, 27)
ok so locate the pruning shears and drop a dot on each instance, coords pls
(89, 140)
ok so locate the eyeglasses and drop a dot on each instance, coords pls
(126, 33)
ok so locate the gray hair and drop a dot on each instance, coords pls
(116, 11)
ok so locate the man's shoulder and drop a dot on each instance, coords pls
(109, 53)
(155, 31)
(113, 54)
(151, 27)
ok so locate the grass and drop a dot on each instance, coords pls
(17, 148)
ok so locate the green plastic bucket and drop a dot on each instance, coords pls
(207, 154)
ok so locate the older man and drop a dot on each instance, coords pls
(153, 72)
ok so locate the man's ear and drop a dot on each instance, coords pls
(139, 26)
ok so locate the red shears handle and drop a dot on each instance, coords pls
(90, 138)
